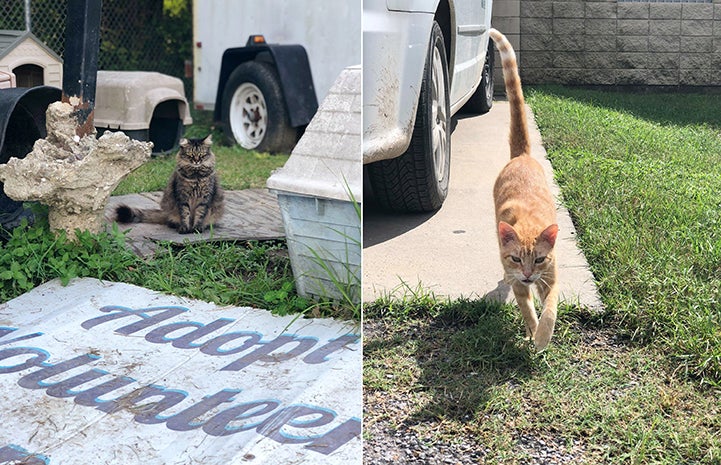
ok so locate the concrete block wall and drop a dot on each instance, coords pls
(507, 19)
(611, 42)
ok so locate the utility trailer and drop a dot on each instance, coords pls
(262, 67)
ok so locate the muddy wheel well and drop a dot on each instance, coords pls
(443, 18)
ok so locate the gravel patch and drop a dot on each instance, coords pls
(384, 445)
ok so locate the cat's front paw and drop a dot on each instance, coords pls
(543, 335)
(184, 229)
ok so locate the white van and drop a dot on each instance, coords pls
(423, 60)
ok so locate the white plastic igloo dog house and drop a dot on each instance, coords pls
(319, 192)
(146, 106)
(30, 60)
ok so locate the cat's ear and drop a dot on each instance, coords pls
(506, 233)
(183, 142)
(549, 235)
(208, 140)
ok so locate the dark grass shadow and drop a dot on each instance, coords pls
(462, 350)
(465, 350)
(674, 106)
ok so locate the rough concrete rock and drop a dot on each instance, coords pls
(73, 176)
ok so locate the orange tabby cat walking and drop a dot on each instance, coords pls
(525, 214)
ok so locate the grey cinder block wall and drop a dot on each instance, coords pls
(614, 42)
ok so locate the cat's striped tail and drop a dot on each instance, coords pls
(125, 214)
(519, 139)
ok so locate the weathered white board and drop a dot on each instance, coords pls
(110, 373)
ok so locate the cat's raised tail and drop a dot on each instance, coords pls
(519, 139)
(125, 214)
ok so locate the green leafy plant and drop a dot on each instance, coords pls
(285, 301)
(32, 255)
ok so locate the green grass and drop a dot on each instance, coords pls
(227, 273)
(640, 175)
(635, 384)
(464, 373)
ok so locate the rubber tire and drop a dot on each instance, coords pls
(482, 99)
(279, 135)
(414, 182)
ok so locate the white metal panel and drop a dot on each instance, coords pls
(110, 373)
(329, 31)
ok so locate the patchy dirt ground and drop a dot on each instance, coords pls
(396, 433)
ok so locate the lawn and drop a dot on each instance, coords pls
(635, 384)
(251, 273)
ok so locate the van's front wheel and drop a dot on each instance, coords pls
(417, 181)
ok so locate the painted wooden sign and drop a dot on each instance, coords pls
(109, 373)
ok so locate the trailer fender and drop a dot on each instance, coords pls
(291, 62)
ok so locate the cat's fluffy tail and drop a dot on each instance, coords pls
(125, 214)
(519, 139)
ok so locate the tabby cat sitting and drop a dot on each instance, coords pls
(193, 199)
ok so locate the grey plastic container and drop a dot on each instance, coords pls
(319, 193)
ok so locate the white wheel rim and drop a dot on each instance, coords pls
(439, 115)
(248, 115)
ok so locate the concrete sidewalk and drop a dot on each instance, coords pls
(454, 252)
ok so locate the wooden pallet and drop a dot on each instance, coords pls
(251, 214)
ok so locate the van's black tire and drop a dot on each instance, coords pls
(253, 110)
(417, 181)
(482, 99)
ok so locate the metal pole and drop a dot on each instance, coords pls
(27, 15)
(80, 67)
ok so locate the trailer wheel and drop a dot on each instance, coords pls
(253, 110)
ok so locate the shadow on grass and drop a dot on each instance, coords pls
(462, 350)
(673, 107)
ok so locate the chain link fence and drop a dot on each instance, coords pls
(141, 35)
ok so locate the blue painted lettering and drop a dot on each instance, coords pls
(65, 388)
(146, 320)
(148, 413)
(213, 347)
(35, 380)
(40, 357)
(91, 397)
(295, 416)
(186, 341)
(220, 424)
(336, 437)
(16, 454)
(320, 355)
(4, 331)
(265, 353)
(183, 421)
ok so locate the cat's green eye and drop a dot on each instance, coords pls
(540, 260)
(515, 259)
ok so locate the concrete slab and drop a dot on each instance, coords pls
(454, 252)
(250, 214)
(110, 373)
